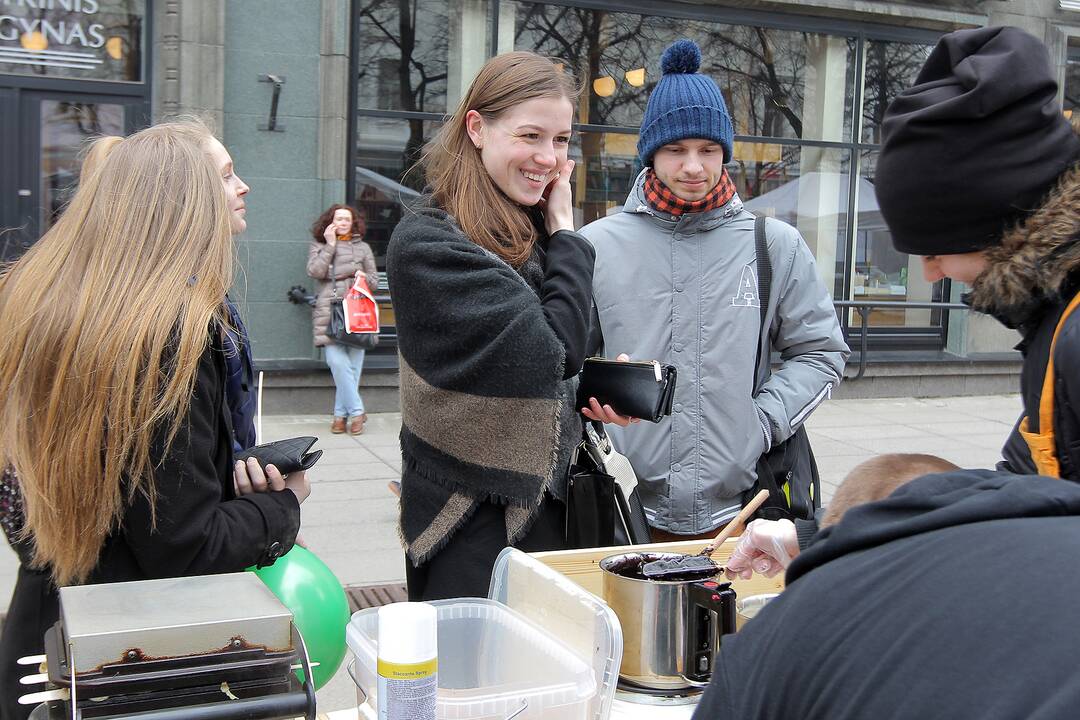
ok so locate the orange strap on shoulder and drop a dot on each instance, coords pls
(1043, 444)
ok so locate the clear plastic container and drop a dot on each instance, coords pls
(493, 662)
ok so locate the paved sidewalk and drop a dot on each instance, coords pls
(350, 520)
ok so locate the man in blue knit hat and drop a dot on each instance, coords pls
(677, 280)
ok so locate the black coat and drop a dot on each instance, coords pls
(953, 598)
(1030, 277)
(202, 527)
(1035, 347)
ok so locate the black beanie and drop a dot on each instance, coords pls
(975, 145)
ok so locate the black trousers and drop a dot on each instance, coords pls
(463, 567)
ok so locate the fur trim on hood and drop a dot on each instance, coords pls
(1035, 259)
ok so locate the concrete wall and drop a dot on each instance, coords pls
(291, 180)
(212, 54)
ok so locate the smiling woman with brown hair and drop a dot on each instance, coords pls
(491, 293)
(113, 416)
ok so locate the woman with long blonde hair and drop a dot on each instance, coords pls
(113, 417)
(492, 291)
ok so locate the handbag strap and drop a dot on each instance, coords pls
(764, 283)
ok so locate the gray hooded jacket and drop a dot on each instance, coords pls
(683, 290)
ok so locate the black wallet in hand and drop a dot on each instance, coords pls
(287, 456)
(639, 389)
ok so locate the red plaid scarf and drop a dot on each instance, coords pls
(660, 197)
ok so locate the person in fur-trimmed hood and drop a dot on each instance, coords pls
(978, 174)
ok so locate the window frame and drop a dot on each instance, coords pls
(915, 337)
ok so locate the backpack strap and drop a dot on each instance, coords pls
(764, 283)
(1043, 444)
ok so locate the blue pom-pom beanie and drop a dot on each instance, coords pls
(684, 104)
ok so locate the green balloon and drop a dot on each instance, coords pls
(320, 609)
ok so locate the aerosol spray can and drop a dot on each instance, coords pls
(408, 661)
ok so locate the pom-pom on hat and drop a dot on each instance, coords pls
(684, 104)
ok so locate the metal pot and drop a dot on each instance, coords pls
(671, 628)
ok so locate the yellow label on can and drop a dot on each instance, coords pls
(408, 671)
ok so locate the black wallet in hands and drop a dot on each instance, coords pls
(288, 456)
(639, 389)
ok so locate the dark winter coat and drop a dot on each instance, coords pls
(488, 358)
(1031, 277)
(202, 527)
(345, 258)
(953, 598)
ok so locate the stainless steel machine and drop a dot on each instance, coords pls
(215, 647)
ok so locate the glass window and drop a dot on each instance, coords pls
(606, 167)
(1071, 99)
(65, 129)
(879, 271)
(777, 83)
(418, 56)
(384, 176)
(85, 39)
(891, 68)
(806, 187)
(783, 88)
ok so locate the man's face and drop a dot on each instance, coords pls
(691, 168)
(964, 267)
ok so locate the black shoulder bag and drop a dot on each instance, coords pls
(602, 504)
(788, 471)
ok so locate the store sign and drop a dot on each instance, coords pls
(85, 39)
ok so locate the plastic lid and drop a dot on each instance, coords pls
(408, 632)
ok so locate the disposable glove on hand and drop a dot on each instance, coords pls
(766, 547)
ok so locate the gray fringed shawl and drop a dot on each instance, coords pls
(486, 414)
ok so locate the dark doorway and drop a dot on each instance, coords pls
(42, 136)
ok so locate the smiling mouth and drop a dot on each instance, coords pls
(535, 177)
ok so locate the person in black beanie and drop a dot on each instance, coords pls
(978, 175)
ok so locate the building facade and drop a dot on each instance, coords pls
(323, 101)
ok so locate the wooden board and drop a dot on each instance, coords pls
(583, 566)
(369, 596)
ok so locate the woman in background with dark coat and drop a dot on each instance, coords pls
(337, 257)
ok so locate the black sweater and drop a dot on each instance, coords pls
(953, 598)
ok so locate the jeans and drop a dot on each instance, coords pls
(345, 365)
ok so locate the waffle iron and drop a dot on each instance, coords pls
(215, 647)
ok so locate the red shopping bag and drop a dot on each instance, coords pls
(361, 310)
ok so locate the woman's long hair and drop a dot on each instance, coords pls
(359, 225)
(105, 319)
(452, 165)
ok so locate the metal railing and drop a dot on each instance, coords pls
(865, 307)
